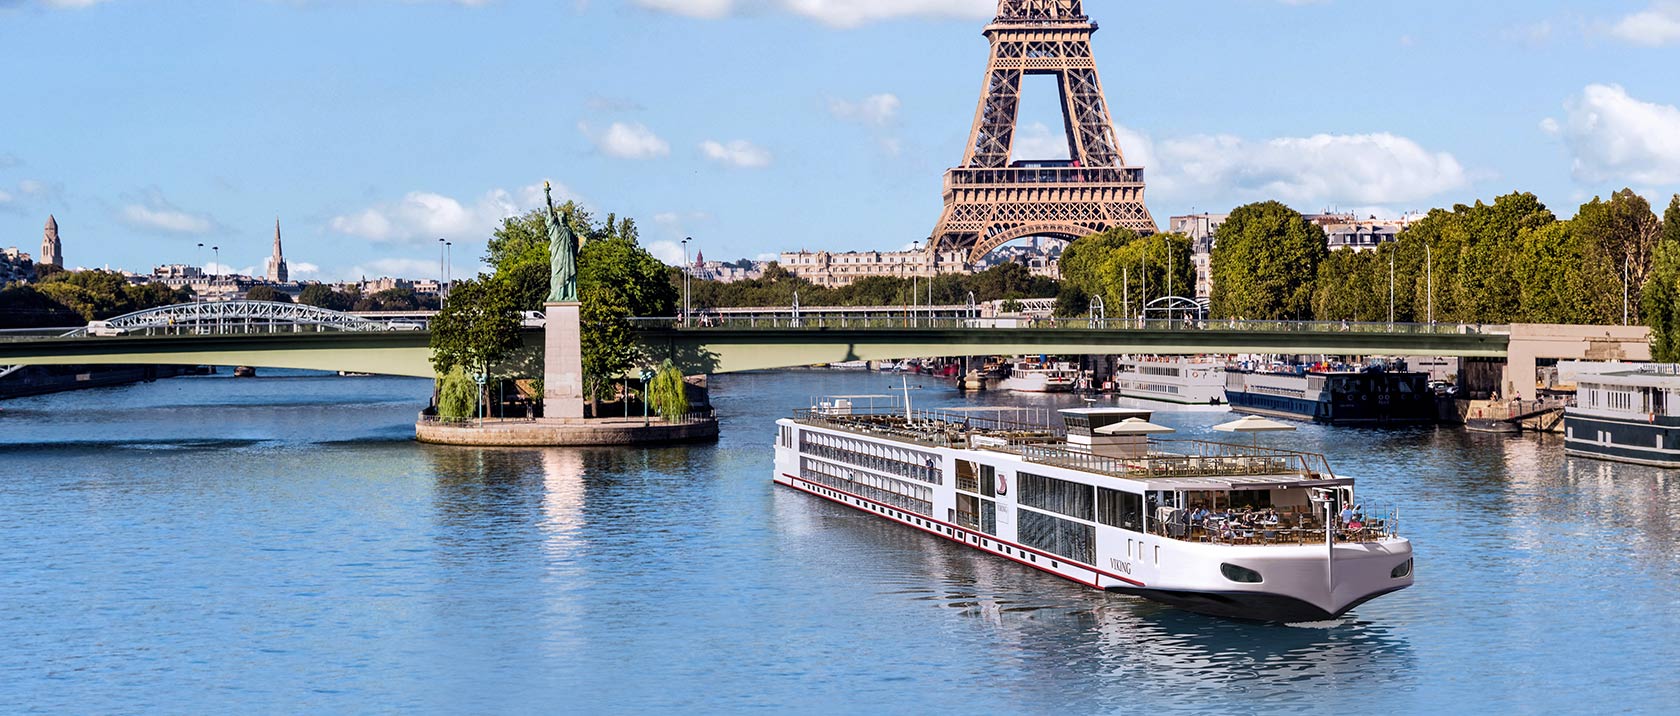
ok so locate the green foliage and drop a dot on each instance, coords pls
(24, 307)
(1352, 286)
(778, 285)
(609, 350)
(639, 279)
(267, 293)
(477, 328)
(1620, 237)
(1661, 292)
(1264, 264)
(322, 296)
(1671, 222)
(1127, 271)
(396, 299)
(97, 295)
(668, 392)
(457, 395)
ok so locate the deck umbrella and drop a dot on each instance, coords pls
(1254, 425)
(1133, 426)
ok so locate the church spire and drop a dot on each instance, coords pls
(277, 272)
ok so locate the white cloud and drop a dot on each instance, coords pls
(1652, 27)
(302, 269)
(4, 197)
(874, 110)
(739, 153)
(836, 13)
(1038, 141)
(1616, 137)
(1325, 169)
(219, 269)
(156, 214)
(709, 9)
(671, 252)
(627, 141)
(422, 216)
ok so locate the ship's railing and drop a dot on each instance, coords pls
(1183, 458)
(941, 428)
(1305, 527)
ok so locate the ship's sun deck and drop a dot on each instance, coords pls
(1192, 490)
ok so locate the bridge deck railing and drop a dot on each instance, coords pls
(788, 321)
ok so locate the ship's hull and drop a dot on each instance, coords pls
(1035, 383)
(1302, 582)
(1341, 399)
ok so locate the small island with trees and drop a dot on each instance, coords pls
(490, 357)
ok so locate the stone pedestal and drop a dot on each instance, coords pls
(563, 363)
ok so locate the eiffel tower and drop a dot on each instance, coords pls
(988, 201)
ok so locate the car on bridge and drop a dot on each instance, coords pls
(104, 329)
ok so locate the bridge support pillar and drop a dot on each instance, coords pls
(563, 363)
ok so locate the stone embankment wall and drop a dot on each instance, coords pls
(554, 434)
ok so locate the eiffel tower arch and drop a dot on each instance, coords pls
(988, 201)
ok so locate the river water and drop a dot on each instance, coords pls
(280, 545)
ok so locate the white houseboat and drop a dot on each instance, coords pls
(1627, 416)
(1187, 381)
(1040, 377)
(1228, 530)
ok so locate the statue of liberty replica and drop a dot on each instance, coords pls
(563, 347)
(563, 252)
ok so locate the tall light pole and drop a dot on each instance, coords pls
(915, 285)
(1429, 257)
(1626, 274)
(685, 280)
(442, 262)
(218, 251)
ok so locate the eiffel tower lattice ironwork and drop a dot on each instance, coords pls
(989, 202)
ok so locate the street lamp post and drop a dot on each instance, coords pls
(915, 286)
(1391, 291)
(1429, 257)
(1627, 271)
(442, 261)
(686, 306)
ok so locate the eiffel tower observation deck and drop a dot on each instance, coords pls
(990, 201)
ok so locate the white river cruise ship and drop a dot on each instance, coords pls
(1187, 381)
(1234, 531)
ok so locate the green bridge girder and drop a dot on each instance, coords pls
(737, 350)
(403, 353)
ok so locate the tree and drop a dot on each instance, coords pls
(476, 329)
(1620, 239)
(1265, 261)
(322, 296)
(609, 349)
(1661, 297)
(668, 392)
(24, 307)
(642, 281)
(267, 293)
(457, 395)
(1661, 292)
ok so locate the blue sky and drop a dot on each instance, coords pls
(374, 127)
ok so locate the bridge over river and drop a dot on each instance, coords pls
(287, 336)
